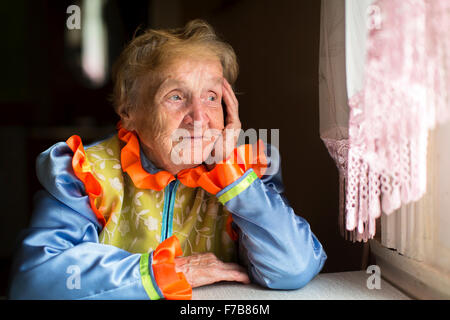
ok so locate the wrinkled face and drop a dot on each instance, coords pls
(187, 96)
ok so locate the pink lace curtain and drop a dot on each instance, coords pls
(404, 94)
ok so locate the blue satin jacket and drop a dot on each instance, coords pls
(59, 256)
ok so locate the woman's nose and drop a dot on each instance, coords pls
(197, 112)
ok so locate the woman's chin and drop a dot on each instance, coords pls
(192, 158)
(187, 154)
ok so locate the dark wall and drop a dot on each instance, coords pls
(44, 100)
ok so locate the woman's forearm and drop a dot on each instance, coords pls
(279, 246)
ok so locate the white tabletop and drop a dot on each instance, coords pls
(336, 286)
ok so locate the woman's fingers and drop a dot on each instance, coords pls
(204, 278)
(230, 91)
(229, 272)
(232, 105)
(204, 269)
(225, 142)
(233, 125)
(231, 275)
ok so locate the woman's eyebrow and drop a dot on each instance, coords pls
(166, 84)
(169, 82)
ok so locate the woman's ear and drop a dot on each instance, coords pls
(126, 117)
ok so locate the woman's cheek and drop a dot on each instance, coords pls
(215, 116)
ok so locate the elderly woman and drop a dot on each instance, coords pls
(124, 218)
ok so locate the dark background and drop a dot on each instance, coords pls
(44, 98)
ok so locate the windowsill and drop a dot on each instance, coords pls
(417, 279)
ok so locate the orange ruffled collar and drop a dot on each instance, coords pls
(223, 174)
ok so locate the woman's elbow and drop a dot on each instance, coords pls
(290, 276)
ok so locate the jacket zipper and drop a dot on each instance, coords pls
(169, 201)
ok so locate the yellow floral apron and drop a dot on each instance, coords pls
(137, 220)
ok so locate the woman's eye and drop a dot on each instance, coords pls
(212, 97)
(175, 97)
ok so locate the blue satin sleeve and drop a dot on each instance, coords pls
(278, 246)
(59, 256)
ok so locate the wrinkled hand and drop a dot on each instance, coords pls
(206, 268)
(226, 142)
